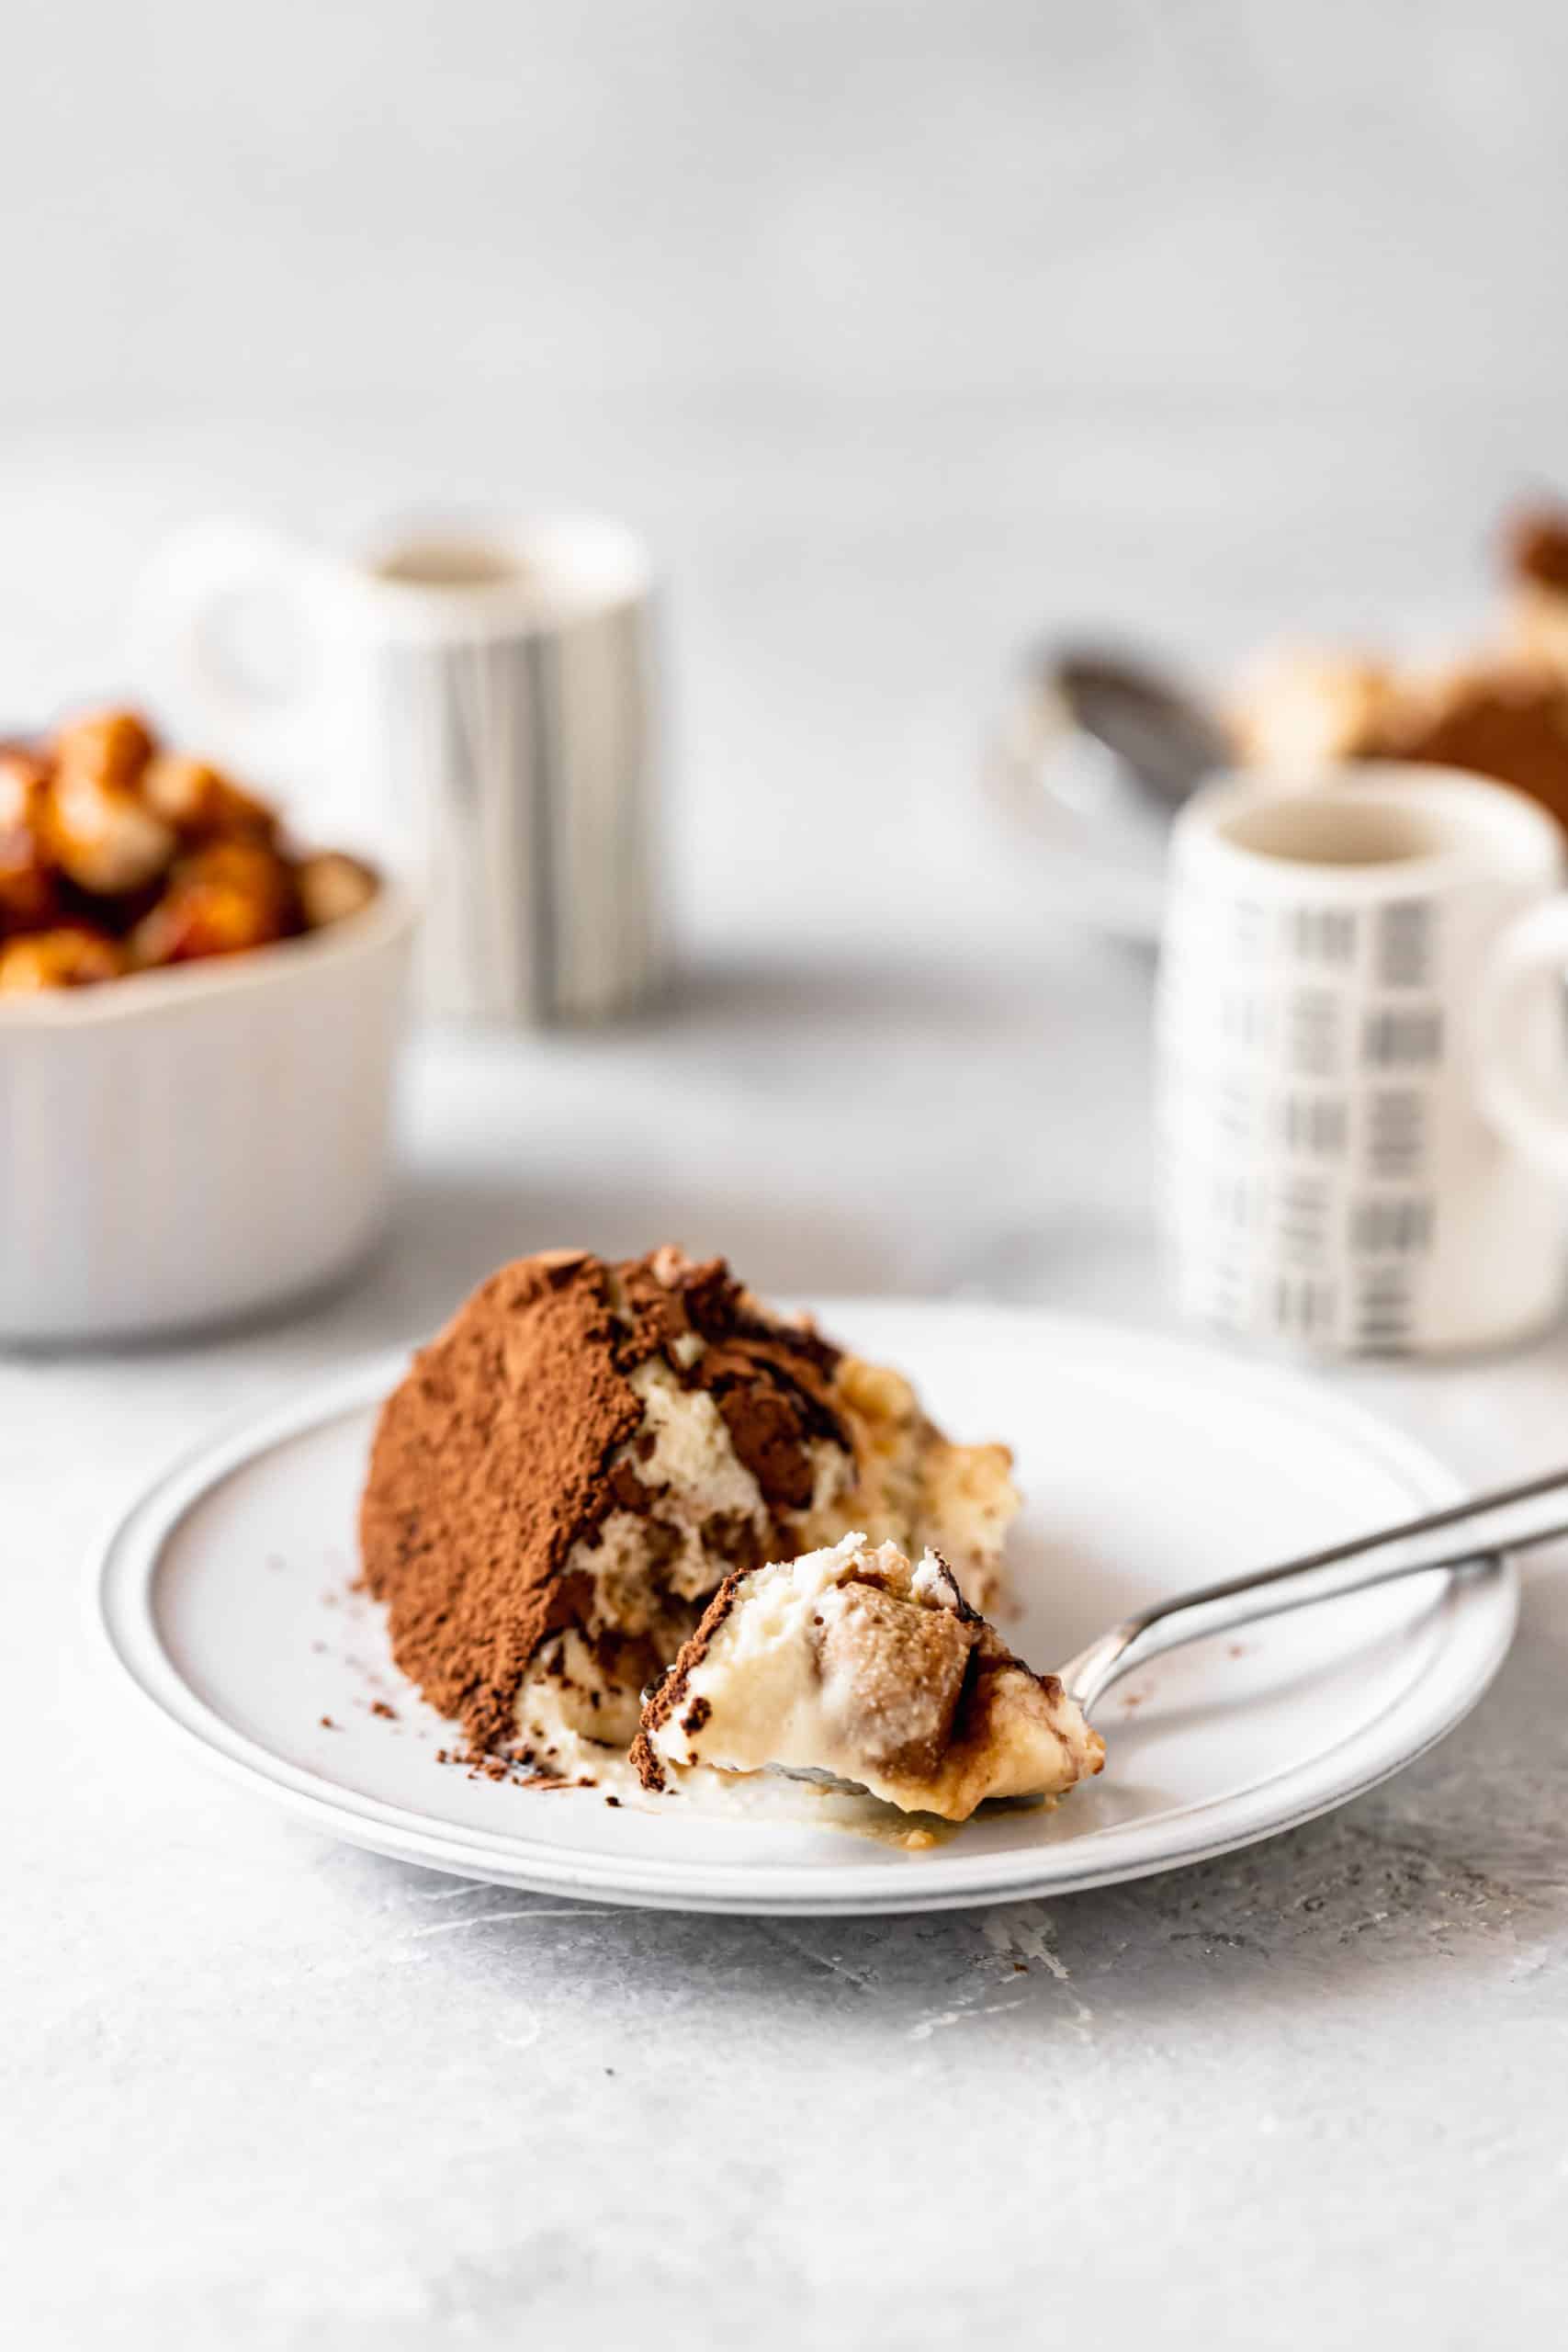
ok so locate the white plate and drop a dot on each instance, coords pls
(1149, 1467)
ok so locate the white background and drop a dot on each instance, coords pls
(907, 331)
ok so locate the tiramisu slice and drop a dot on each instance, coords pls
(567, 1473)
(852, 1664)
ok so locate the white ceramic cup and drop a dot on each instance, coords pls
(473, 705)
(1362, 1045)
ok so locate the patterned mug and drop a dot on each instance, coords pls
(1362, 1045)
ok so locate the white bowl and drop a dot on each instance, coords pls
(189, 1146)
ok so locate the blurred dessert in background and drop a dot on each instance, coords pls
(1536, 550)
(118, 857)
(1500, 710)
(1305, 707)
(569, 1471)
(852, 1665)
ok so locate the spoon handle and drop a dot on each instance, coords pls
(1325, 1574)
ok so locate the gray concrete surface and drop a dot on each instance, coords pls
(266, 2092)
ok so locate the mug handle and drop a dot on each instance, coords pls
(188, 605)
(1534, 946)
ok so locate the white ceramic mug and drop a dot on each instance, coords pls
(472, 704)
(1362, 1045)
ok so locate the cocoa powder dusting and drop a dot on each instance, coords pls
(497, 1453)
(669, 1693)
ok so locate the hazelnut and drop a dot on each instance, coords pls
(29, 896)
(96, 826)
(113, 745)
(331, 887)
(200, 803)
(220, 900)
(72, 957)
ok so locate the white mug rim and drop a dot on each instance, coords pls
(559, 568)
(1519, 828)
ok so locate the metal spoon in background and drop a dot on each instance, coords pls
(1165, 738)
(1094, 754)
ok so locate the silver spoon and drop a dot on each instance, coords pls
(1300, 1583)
(1163, 739)
(1094, 736)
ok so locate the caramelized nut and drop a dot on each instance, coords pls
(72, 957)
(331, 887)
(23, 778)
(220, 900)
(165, 859)
(97, 826)
(29, 896)
(200, 803)
(113, 745)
